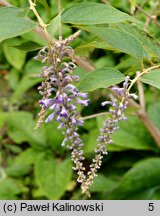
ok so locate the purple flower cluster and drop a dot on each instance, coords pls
(62, 107)
(58, 80)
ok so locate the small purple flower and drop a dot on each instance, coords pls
(59, 118)
(59, 99)
(50, 118)
(64, 113)
(83, 95)
(82, 102)
(64, 142)
(73, 120)
(54, 106)
(125, 84)
(47, 102)
(134, 96)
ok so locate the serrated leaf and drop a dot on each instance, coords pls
(101, 78)
(118, 39)
(13, 22)
(54, 25)
(142, 177)
(52, 175)
(152, 78)
(93, 13)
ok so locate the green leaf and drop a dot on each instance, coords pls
(16, 149)
(15, 57)
(54, 24)
(151, 45)
(139, 139)
(28, 80)
(13, 22)
(18, 169)
(34, 37)
(45, 4)
(54, 137)
(90, 141)
(101, 78)
(9, 189)
(152, 78)
(96, 44)
(102, 184)
(3, 116)
(93, 13)
(53, 175)
(28, 46)
(28, 156)
(21, 129)
(142, 177)
(13, 78)
(118, 39)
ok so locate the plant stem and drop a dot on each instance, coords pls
(139, 75)
(93, 116)
(151, 18)
(154, 131)
(141, 94)
(59, 10)
(41, 23)
(4, 3)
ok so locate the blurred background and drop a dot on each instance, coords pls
(33, 165)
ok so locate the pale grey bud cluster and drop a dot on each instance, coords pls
(109, 127)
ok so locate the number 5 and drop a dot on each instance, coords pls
(151, 206)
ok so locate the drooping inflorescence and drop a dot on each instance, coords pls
(60, 96)
(59, 81)
(118, 106)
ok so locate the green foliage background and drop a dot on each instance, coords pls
(33, 165)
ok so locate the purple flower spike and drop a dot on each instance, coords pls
(59, 79)
(47, 102)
